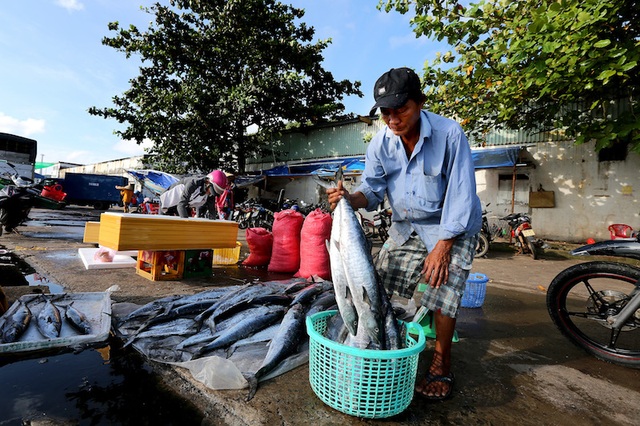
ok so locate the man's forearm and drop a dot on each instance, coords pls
(358, 200)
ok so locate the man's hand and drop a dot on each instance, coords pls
(357, 199)
(336, 194)
(436, 265)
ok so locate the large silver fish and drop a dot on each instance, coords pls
(357, 263)
(283, 344)
(16, 324)
(48, 320)
(339, 275)
(243, 329)
(244, 293)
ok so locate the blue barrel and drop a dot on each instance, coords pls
(475, 290)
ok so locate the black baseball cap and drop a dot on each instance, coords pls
(395, 87)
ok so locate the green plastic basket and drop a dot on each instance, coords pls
(362, 382)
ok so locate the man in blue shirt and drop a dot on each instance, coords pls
(422, 163)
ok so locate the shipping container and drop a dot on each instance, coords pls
(99, 191)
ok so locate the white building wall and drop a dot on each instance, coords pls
(589, 195)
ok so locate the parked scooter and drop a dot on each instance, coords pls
(382, 223)
(16, 201)
(523, 233)
(596, 305)
(484, 236)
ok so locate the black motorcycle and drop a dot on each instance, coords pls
(484, 237)
(382, 223)
(596, 305)
(16, 201)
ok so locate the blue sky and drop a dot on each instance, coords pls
(54, 66)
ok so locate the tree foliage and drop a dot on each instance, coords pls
(212, 68)
(537, 65)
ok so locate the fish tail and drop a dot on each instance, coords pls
(252, 380)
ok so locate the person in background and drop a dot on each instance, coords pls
(126, 192)
(224, 202)
(421, 162)
(193, 192)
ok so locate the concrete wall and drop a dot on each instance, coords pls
(589, 195)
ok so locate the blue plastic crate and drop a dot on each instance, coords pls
(475, 290)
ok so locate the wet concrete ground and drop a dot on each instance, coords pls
(512, 366)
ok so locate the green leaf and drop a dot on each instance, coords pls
(602, 43)
(605, 75)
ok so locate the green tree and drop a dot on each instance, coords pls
(537, 65)
(210, 70)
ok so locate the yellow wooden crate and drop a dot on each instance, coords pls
(128, 231)
(91, 232)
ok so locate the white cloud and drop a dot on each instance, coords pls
(131, 148)
(70, 5)
(18, 127)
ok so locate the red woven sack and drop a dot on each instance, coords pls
(314, 257)
(260, 242)
(285, 255)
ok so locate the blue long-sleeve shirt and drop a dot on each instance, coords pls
(432, 193)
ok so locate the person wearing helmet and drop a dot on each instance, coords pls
(194, 192)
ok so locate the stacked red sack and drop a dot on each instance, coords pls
(314, 256)
(296, 245)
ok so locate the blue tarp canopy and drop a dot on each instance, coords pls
(242, 181)
(483, 158)
(489, 158)
(153, 180)
(327, 167)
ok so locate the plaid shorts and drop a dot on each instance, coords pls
(399, 269)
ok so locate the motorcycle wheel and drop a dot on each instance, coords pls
(483, 245)
(243, 224)
(582, 297)
(383, 234)
(533, 249)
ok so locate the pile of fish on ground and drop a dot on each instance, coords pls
(48, 321)
(229, 322)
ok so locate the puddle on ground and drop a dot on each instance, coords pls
(98, 386)
(69, 235)
(36, 279)
(61, 254)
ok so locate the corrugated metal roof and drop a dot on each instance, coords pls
(350, 138)
(342, 139)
